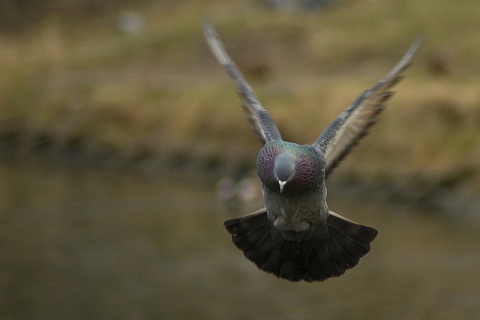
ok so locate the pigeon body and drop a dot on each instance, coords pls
(293, 185)
(296, 237)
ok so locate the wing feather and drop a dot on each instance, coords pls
(352, 124)
(258, 117)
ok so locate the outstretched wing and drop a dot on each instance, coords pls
(259, 118)
(352, 124)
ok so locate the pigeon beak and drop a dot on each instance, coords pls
(282, 185)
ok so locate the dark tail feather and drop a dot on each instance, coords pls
(341, 250)
(329, 252)
(252, 235)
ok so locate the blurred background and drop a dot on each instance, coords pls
(123, 148)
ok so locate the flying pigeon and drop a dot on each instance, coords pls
(296, 236)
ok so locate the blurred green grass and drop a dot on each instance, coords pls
(157, 92)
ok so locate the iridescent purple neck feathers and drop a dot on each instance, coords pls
(289, 168)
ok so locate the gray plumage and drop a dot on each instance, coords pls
(296, 236)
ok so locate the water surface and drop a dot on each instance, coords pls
(90, 244)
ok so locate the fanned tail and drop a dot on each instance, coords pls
(330, 251)
(346, 243)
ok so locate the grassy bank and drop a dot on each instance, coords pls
(155, 95)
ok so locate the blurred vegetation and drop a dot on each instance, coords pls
(133, 82)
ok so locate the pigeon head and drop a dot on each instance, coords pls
(289, 168)
(284, 169)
